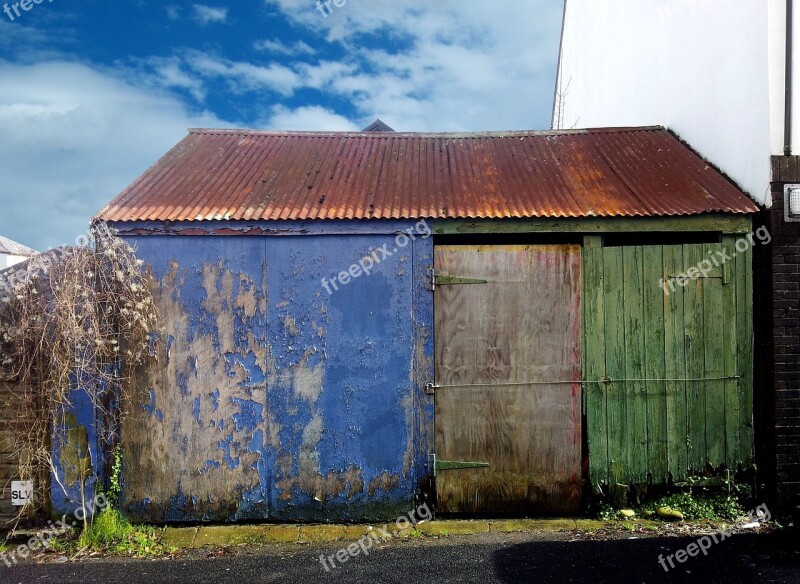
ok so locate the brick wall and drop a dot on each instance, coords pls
(785, 335)
(11, 424)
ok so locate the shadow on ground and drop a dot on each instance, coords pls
(742, 558)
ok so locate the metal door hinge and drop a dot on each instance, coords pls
(457, 280)
(437, 280)
(437, 465)
(459, 464)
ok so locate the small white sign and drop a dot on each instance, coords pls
(21, 493)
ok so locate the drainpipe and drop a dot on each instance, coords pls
(787, 125)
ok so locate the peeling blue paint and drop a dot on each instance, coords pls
(183, 385)
(226, 445)
(249, 416)
(151, 408)
(196, 410)
(317, 408)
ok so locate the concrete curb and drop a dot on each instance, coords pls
(230, 535)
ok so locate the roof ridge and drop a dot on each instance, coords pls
(395, 135)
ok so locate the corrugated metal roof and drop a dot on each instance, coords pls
(10, 247)
(251, 175)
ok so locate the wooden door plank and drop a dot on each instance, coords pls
(714, 364)
(594, 360)
(655, 368)
(613, 279)
(675, 365)
(744, 311)
(695, 360)
(636, 405)
(730, 352)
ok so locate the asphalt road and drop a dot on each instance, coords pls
(487, 558)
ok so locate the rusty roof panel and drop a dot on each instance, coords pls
(253, 175)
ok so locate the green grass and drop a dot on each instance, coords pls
(111, 533)
(696, 503)
(698, 507)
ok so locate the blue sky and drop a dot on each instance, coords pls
(93, 92)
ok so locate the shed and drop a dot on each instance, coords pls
(486, 322)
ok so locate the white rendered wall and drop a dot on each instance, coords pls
(698, 67)
(6, 261)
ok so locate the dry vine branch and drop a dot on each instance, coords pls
(72, 320)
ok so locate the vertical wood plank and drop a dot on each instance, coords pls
(618, 430)
(730, 325)
(744, 310)
(636, 405)
(654, 344)
(675, 364)
(713, 391)
(695, 360)
(594, 359)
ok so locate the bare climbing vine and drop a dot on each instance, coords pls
(72, 318)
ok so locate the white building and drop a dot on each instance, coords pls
(12, 253)
(710, 70)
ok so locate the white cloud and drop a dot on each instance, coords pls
(280, 48)
(74, 137)
(170, 73)
(309, 118)
(209, 14)
(173, 12)
(243, 76)
(459, 66)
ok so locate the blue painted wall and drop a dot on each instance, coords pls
(274, 397)
(77, 455)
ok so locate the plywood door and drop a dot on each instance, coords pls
(507, 372)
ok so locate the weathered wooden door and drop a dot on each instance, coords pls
(507, 391)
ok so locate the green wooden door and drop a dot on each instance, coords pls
(667, 360)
